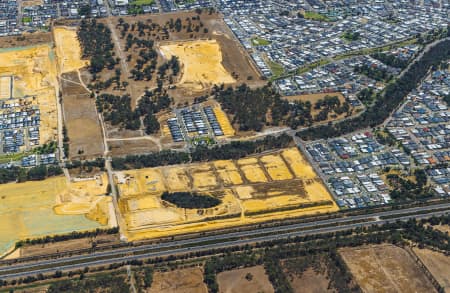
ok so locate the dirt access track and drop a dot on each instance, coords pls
(80, 115)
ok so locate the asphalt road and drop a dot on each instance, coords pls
(171, 248)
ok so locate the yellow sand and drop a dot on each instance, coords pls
(201, 61)
(146, 215)
(86, 197)
(34, 71)
(276, 167)
(252, 171)
(176, 179)
(204, 180)
(143, 181)
(228, 172)
(224, 122)
(301, 168)
(68, 50)
(27, 211)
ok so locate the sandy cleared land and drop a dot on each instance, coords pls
(68, 49)
(438, 264)
(299, 165)
(243, 202)
(235, 282)
(252, 171)
(276, 167)
(385, 268)
(228, 172)
(27, 211)
(201, 63)
(34, 71)
(224, 122)
(179, 281)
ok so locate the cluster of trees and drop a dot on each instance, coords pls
(390, 60)
(392, 96)
(47, 148)
(351, 36)
(17, 174)
(406, 189)
(189, 200)
(107, 283)
(117, 110)
(233, 150)
(251, 109)
(96, 43)
(87, 165)
(376, 73)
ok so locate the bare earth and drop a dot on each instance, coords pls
(179, 281)
(385, 268)
(438, 264)
(235, 282)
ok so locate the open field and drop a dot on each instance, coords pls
(39, 208)
(34, 71)
(235, 281)
(201, 63)
(81, 119)
(128, 147)
(247, 197)
(310, 281)
(385, 268)
(438, 264)
(179, 281)
(68, 50)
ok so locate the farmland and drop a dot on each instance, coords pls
(35, 209)
(251, 190)
(385, 268)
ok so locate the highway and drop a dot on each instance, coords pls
(220, 241)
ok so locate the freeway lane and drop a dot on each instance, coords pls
(173, 244)
(118, 253)
(201, 248)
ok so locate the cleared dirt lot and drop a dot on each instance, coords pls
(283, 185)
(438, 264)
(81, 119)
(235, 281)
(27, 39)
(385, 268)
(135, 146)
(179, 281)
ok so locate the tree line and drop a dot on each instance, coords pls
(391, 97)
(18, 174)
(234, 150)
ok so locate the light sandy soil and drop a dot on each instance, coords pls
(235, 282)
(385, 268)
(179, 281)
(438, 264)
(26, 211)
(35, 74)
(201, 63)
(68, 49)
(292, 183)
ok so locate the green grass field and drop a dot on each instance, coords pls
(315, 16)
(142, 2)
(260, 42)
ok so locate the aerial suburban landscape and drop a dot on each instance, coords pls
(224, 146)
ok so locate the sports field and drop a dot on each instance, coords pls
(201, 62)
(39, 208)
(278, 185)
(34, 71)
